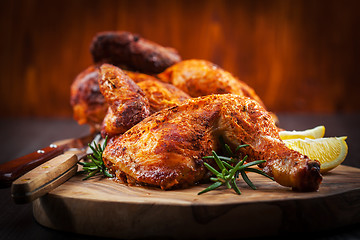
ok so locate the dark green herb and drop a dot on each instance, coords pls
(228, 173)
(96, 164)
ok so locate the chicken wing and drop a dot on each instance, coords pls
(127, 102)
(166, 149)
(130, 102)
(132, 52)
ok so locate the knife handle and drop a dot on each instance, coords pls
(13, 169)
(44, 178)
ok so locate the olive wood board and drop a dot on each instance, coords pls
(104, 207)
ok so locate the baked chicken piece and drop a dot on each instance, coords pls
(89, 105)
(161, 95)
(132, 52)
(139, 77)
(200, 78)
(166, 149)
(129, 103)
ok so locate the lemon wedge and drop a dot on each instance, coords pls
(330, 152)
(317, 132)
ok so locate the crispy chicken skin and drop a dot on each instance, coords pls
(139, 77)
(130, 102)
(127, 102)
(130, 51)
(200, 78)
(89, 105)
(162, 95)
(166, 149)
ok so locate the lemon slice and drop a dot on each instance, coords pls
(330, 152)
(317, 132)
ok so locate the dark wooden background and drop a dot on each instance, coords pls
(300, 56)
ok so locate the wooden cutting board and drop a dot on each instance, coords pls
(103, 207)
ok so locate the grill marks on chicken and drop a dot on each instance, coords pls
(166, 149)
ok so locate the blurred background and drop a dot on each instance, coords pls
(299, 56)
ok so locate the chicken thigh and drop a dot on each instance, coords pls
(167, 148)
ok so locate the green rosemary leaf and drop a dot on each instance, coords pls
(221, 158)
(213, 170)
(241, 146)
(218, 162)
(228, 149)
(90, 168)
(214, 179)
(259, 172)
(95, 161)
(96, 164)
(227, 165)
(92, 148)
(247, 180)
(90, 175)
(238, 166)
(235, 187)
(83, 163)
(253, 163)
(211, 187)
(228, 173)
(108, 174)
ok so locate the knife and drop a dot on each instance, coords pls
(46, 177)
(13, 169)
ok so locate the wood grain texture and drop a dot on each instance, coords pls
(300, 56)
(44, 178)
(138, 212)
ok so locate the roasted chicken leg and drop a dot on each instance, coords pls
(166, 149)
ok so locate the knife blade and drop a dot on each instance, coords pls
(15, 168)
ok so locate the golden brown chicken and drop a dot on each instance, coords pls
(89, 105)
(162, 95)
(129, 102)
(166, 149)
(139, 77)
(124, 49)
(200, 78)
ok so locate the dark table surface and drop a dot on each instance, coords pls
(22, 136)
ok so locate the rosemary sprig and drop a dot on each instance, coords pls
(228, 173)
(96, 164)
